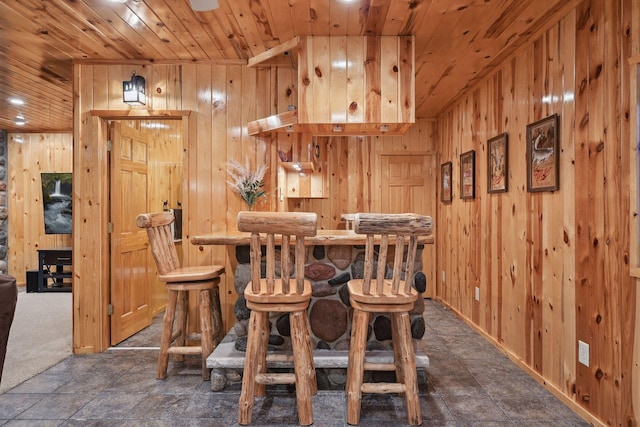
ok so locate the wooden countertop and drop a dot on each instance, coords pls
(323, 237)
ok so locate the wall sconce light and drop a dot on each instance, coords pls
(203, 5)
(133, 91)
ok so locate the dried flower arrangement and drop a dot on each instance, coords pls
(247, 183)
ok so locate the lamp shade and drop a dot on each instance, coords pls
(133, 91)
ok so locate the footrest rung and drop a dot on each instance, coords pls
(371, 366)
(383, 388)
(276, 378)
(185, 350)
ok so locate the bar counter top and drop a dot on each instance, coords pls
(323, 237)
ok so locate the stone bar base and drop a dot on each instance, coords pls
(225, 357)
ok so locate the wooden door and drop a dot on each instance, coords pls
(132, 267)
(409, 185)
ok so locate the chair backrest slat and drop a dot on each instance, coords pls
(269, 227)
(163, 249)
(403, 230)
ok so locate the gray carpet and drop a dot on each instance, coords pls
(40, 336)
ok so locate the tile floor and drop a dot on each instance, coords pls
(469, 383)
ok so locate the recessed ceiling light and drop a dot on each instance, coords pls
(19, 120)
(16, 101)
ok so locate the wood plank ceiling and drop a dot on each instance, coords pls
(457, 41)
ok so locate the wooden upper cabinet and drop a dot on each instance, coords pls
(350, 85)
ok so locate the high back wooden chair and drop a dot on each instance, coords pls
(375, 293)
(179, 281)
(289, 293)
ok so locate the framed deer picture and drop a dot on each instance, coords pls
(543, 155)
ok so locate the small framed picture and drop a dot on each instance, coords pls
(468, 175)
(498, 164)
(446, 185)
(543, 155)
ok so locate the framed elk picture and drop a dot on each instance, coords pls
(468, 175)
(446, 190)
(498, 164)
(543, 155)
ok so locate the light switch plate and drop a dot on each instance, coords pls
(583, 353)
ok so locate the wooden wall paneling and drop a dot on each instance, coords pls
(337, 79)
(630, 311)
(372, 80)
(323, 92)
(157, 84)
(389, 79)
(407, 80)
(615, 276)
(583, 243)
(475, 207)
(601, 308)
(305, 79)
(514, 333)
(566, 374)
(536, 202)
(355, 83)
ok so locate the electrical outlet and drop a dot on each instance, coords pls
(583, 353)
(443, 276)
(477, 293)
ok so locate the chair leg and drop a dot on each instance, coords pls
(167, 332)
(218, 330)
(206, 336)
(181, 314)
(254, 362)
(355, 370)
(404, 345)
(302, 366)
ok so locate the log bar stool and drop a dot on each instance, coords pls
(376, 294)
(179, 281)
(273, 294)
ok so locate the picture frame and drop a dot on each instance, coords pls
(468, 175)
(498, 164)
(543, 155)
(446, 182)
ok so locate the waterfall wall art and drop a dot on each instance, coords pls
(56, 199)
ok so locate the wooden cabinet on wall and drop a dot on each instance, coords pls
(355, 85)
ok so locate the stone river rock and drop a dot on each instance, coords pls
(318, 251)
(242, 277)
(340, 279)
(319, 271)
(343, 292)
(283, 326)
(382, 328)
(340, 255)
(420, 282)
(418, 306)
(328, 319)
(240, 309)
(322, 289)
(417, 328)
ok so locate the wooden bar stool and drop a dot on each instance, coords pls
(376, 294)
(179, 281)
(273, 294)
